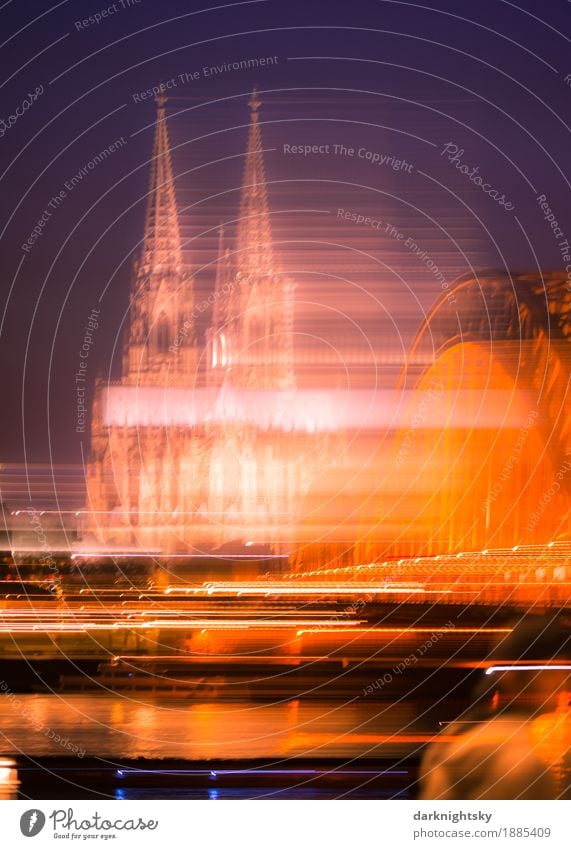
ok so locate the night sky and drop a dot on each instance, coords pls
(397, 79)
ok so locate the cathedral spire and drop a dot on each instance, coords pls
(161, 344)
(251, 337)
(161, 252)
(254, 239)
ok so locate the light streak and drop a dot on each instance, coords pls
(301, 589)
(306, 410)
(213, 774)
(283, 659)
(158, 553)
(373, 631)
(186, 625)
(528, 667)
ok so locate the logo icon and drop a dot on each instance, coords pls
(32, 822)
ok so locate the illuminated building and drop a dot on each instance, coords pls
(204, 444)
(185, 456)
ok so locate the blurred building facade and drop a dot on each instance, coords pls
(206, 442)
(197, 447)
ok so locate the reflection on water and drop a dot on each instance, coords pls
(233, 793)
(8, 779)
(120, 727)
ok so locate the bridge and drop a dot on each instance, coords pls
(507, 338)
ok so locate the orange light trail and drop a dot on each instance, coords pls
(373, 630)
(300, 589)
(190, 624)
(528, 667)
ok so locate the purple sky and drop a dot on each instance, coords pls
(386, 79)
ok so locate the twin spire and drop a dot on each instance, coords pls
(161, 251)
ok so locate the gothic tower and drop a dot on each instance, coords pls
(161, 347)
(176, 465)
(252, 332)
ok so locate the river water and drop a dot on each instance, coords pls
(116, 727)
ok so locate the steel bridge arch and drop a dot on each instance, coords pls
(531, 310)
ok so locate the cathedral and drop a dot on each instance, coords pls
(211, 441)
(205, 441)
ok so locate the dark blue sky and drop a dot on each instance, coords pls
(396, 79)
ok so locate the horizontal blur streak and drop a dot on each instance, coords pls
(527, 667)
(310, 410)
(520, 575)
(293, 589)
